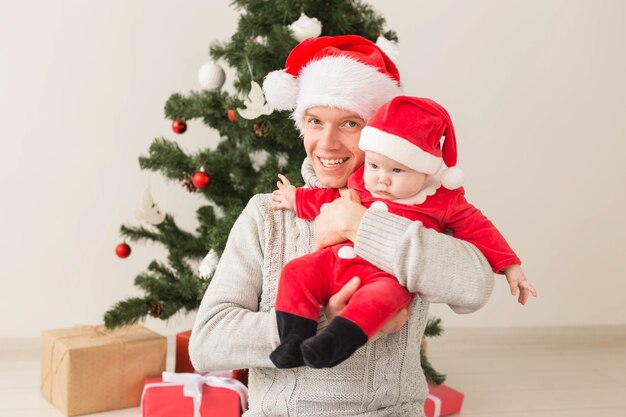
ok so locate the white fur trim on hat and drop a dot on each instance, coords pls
(399, 149)
(344, 83)
(281, 90)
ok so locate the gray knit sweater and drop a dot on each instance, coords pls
(236, 325)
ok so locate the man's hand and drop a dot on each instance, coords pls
(338, 302)
(517, 280)
(339, 221)
(285, 195)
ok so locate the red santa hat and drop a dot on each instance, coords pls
(409, 130)
(348, 72)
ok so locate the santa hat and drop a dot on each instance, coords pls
(409, 131)
(348, 72)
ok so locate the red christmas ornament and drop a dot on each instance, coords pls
(179, 126)
(232, 116)
(201, 179)
(122, 250)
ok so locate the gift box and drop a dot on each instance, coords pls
(442, 401)
(183, 363)
(241, 375)
(88, 369)
(193, 395)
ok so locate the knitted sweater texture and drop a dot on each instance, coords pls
(236, 324)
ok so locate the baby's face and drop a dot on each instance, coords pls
(388, 179)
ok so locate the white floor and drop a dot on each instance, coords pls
(544, 372)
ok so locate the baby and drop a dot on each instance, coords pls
(408, 173)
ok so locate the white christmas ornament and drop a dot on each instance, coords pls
(305, 27)
(149, 211)
(255, 104)
(211, 76)
(389, 47)
(258, 159)
(283, 159)
(208, 264)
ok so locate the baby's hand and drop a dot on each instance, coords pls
(285, 195)
(517, 280)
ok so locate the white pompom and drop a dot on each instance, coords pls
(305, 27)
(452, 178)
(211, 76)
(390, 48)
(281, 90)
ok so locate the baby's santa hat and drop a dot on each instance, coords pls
(409, 131)
(348, 72)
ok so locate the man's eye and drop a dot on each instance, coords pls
(351, 123)
(314, 121)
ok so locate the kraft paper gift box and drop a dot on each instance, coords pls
(193, 395)
(88, 369)
(442, 401)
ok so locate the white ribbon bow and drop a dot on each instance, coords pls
(193, 383)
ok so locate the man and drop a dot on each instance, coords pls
(333, 85)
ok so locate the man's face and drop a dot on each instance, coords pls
(331, 141)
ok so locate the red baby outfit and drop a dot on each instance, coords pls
(309, 281)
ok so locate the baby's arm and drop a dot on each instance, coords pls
(306, 202)
(468, 223)
(517, 280)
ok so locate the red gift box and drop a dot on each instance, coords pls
(183, 363)
(442, 401)
(187, 395)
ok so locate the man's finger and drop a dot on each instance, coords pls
(396, 322)
(350, 194)
(342, 296)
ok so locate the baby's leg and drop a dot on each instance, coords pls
(377, 301)
(305, 284)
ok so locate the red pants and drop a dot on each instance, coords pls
(309, 281)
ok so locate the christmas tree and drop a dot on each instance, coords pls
(256, 145)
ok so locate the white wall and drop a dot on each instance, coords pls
(535, 89)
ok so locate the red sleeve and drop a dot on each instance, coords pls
(469, 224)
(310, 200)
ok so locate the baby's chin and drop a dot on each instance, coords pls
(383, 194)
